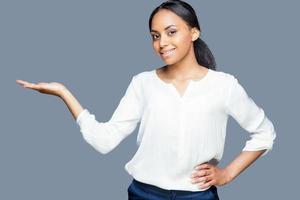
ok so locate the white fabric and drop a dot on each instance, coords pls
(178, 132)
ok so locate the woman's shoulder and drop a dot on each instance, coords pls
(143, 76)
(223, 76)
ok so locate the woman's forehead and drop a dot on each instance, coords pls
(164, 19)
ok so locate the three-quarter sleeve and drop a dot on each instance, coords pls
(105, 136)
(251, 117)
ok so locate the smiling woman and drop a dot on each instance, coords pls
(175, 23)
(182, 108)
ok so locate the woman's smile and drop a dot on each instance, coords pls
(167, 53)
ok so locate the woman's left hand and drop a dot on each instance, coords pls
(207, 174)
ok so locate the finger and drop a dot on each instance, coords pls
(207, 184)
(203, 166)
(202, 179)
(199, 165)
(32, 86)
(25, 83)
(206, 178)
(21, 82)
(200, 174)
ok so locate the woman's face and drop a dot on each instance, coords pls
(172, 38)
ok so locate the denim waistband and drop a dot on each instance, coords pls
(161, 190)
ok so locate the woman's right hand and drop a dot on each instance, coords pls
(53, 88)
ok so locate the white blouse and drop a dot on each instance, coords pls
(178, 132)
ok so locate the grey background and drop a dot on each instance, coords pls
(94, 48)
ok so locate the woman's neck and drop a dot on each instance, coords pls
(186, 68)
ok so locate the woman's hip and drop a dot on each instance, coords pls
(142, 191)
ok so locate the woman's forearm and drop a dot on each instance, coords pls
(241, 162)
(71, 102)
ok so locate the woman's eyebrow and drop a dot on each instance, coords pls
(164, 28)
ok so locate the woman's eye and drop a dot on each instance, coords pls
(154, 37)
(172, 32)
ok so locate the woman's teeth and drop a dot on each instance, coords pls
(168, 53)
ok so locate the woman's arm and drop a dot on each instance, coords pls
(253, 119)
(241, 162)
(72, 103)
(56, 89)
(207, 174)
(103, 136)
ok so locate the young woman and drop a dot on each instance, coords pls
(183, 108)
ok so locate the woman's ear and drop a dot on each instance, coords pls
(195, 33)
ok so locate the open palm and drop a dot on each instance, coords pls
(53, 88)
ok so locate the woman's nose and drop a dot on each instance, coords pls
(163, 41)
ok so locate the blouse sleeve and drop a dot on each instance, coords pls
(250, 117)
(105, 136)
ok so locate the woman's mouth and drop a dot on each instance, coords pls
(167, 53)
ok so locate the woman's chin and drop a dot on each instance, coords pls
(171, 60)
(168, 61)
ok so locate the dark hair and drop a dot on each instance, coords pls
(203, 54)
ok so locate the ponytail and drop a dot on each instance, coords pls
(203, 54)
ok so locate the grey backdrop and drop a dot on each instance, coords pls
(94, 48)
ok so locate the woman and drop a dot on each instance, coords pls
(183, 108)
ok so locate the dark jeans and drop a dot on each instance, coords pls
(142, 191)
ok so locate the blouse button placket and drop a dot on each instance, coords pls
(181, 136)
